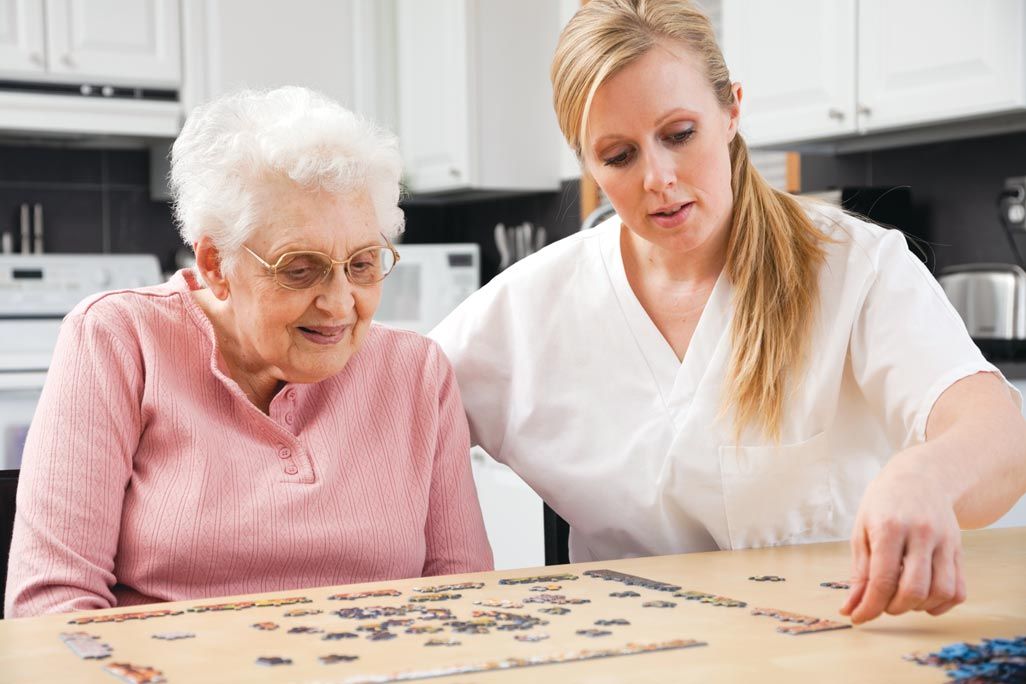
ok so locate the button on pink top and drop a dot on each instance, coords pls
(148, 476)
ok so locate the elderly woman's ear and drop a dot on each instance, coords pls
(208, 263)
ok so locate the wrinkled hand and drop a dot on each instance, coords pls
(906, 546)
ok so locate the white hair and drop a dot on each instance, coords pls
(228, 147)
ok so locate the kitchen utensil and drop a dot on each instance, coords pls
(26, 239)
(539, 238)
(502, 243)
(37, 228)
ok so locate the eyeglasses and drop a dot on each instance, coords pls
(301, 270)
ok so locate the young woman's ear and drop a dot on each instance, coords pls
(734, 110)
(208, 263)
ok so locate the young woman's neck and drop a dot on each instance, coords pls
(697, 266)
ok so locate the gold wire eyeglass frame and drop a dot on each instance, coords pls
(277, 265)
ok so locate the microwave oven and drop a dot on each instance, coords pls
(427, 284)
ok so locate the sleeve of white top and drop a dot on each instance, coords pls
(477, 337)
(908, 343)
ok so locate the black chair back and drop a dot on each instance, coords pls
(8, 490)
(557, 538)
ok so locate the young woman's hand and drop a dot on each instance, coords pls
(906, 544)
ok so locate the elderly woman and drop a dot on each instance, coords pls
(245, 427)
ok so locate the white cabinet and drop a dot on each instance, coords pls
(22, 44)
(475, 104)
(795, 60)
(822, 69)
(102, 42)
(339, 47)
(956, 59)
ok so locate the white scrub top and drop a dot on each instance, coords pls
(567, 380)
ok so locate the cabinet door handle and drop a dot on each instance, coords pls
(865, 110)
(835, 113)
(68, 60)
(36, 58)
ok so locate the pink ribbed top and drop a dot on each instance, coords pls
(148, 475)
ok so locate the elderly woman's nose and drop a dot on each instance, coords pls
(339, 295)
(659, 169)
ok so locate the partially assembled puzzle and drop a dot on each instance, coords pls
(428, 617)
(548, 616)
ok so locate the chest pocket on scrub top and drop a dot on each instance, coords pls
(778, 494)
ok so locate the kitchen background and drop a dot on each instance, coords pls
(854, 96)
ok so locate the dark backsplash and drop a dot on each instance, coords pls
(94, 200)
(98, 201)
(954, 187)
(472, 217)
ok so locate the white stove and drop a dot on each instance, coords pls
(36, 292)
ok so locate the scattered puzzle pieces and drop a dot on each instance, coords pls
(442, 642)
(812, 627)
(301, 612)
(381, 636)
(625, 594)
(271, 661)
(556, 599)
(835, 585)
(614, 621)
(441, 588)
(364, 594)
(785, 616)
(135, 674)
(444, 596)
(593, 632)
(538, 636)
(766, 578)
(122, 617)
(711, 599)
(992, 660)
(631, 580)
(86, 646)
(332, 659)
(658, 604)
(497, 603)
(802, 624)
(173, 636)
(554, 610)
(539, 579)
(338, 636)
(265, 626)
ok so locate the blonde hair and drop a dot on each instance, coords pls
(774, 250)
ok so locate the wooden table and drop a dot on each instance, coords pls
(738, 646)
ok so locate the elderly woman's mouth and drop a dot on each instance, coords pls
(324, 334)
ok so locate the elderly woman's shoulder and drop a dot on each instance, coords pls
(127, 299)
(400, 347)
(131, 310)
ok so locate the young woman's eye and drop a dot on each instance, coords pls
(618, 160)
(680, 137)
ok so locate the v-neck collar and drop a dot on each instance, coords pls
(676, 380)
